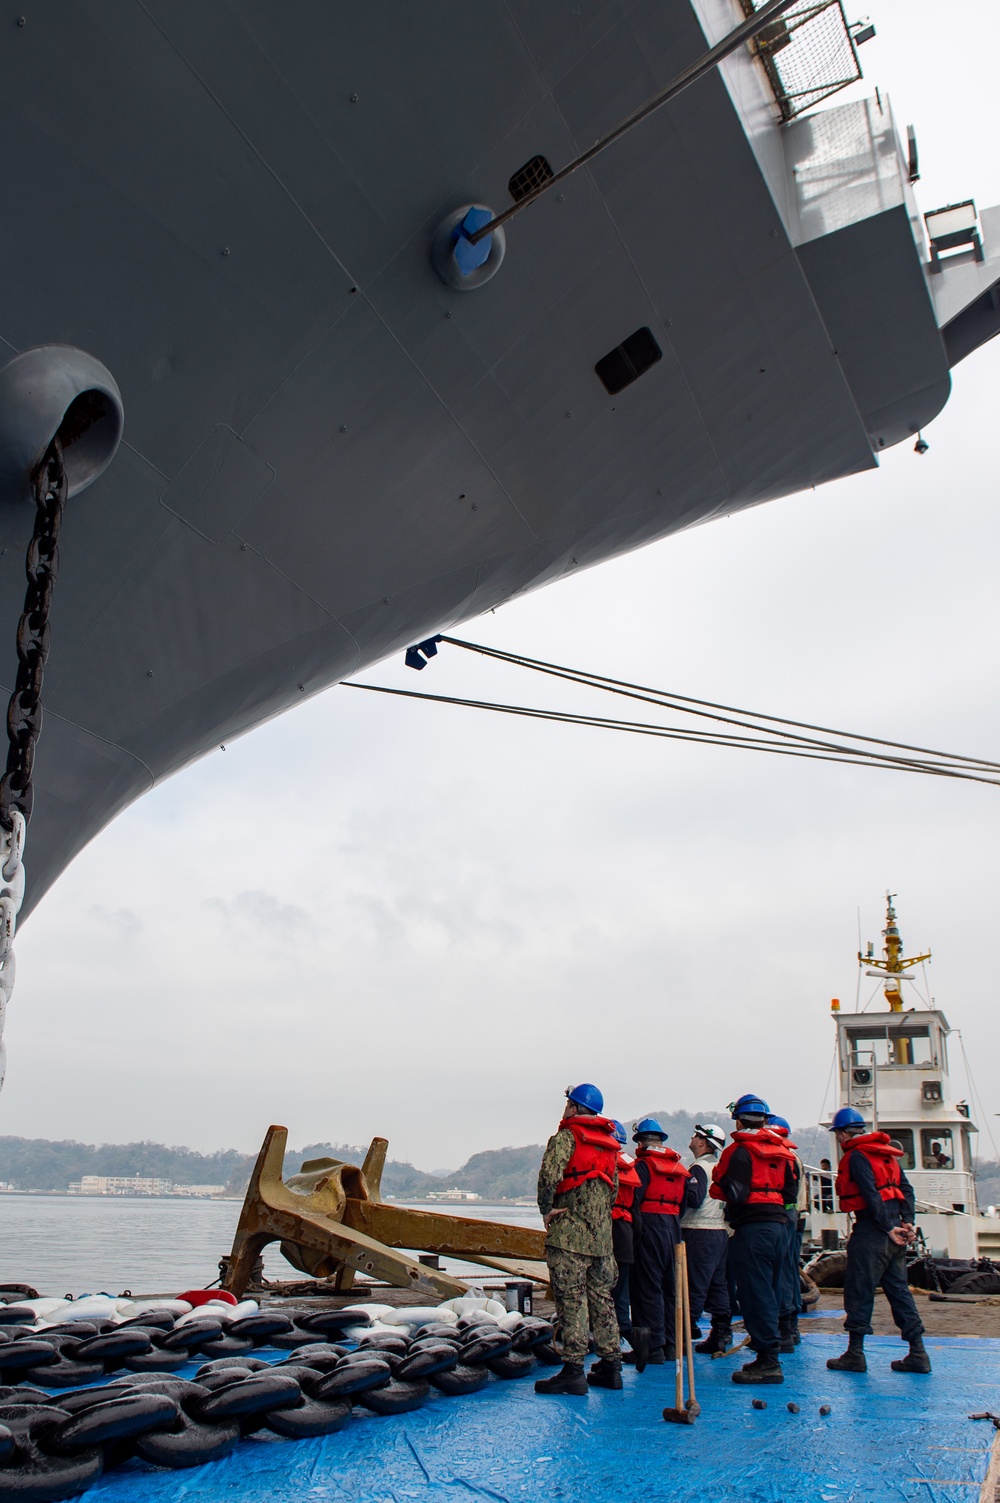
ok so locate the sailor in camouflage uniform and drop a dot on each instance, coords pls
(577, 1185)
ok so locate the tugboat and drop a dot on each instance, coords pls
(893, 1068)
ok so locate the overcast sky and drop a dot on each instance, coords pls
(377, 916)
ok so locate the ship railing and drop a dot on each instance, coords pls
(931, 1205)
(823, 1199)
(808, 54)
(820, 1185)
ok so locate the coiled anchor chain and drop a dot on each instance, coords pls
(24, 712)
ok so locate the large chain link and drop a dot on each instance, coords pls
(24, 713)
(11, 894)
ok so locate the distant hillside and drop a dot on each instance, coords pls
(496, 1174)
(39, 1164)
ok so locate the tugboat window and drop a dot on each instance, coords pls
(896, 1046)
(936, 1149)
(903, 1138)
(912, 1047)
(868, 1045)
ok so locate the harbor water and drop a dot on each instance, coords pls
(76, 1245)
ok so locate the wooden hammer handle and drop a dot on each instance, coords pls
(689, 1347)
(679, 1323)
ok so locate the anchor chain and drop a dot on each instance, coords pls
(24, 712)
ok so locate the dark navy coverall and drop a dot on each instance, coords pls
(873, 1258)
(621, 1236)
(655, 1239)
(758, 1252)
(791, 1300)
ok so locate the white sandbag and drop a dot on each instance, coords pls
(43, 1308)
(510, 1321)
(243, 1309)
(127, 1308)
(464, 1304)
(375, 1311)
(377, 1328)
(413, 1315)
(91, 1307)
(494, 1307)
(197, 1313)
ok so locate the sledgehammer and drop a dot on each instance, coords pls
(682, 1414)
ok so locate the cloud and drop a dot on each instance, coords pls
(122, 920)
(261, 913)
(464, 911)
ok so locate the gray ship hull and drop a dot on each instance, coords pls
(328, 453)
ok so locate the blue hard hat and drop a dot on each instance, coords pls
(774, 1121)
(587, 1096)
(648, 1125)
(847, 1117)
(620, 1133)
(750, 1106)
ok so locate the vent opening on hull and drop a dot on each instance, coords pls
(628, 360)
(529, 177)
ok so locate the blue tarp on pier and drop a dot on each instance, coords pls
(890, 1437)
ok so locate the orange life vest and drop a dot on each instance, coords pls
(884, 1159)
(628, 1183)
(595, 1152)
(667, 1178)
(770, 1157)
(783, 1134)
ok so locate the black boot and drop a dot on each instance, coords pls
(569, 1379)
(605, 1374)
(719, 1339)
(639, 1355)
(916, 1359)
(658, 1355)
(786, 1341)
(761, 1370)
(853, 1360)
(796, 1333)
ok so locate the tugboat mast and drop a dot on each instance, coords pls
(895, 969)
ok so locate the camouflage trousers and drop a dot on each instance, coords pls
(581, 1288)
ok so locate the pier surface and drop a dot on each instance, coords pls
(889, 1437)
